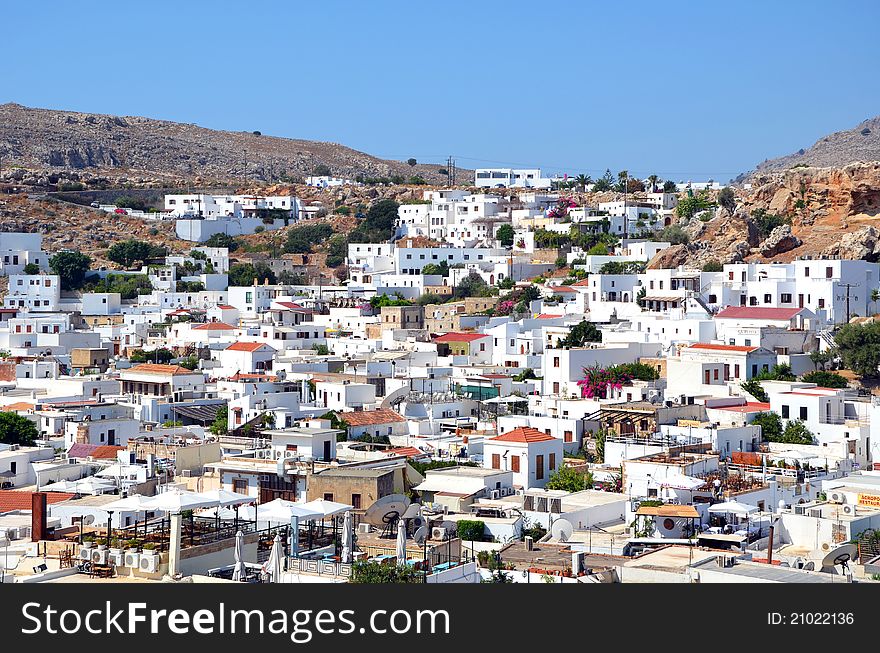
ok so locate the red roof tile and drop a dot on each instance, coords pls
(20, 500)
(556, 289)
(371, 417)
(757, 313)
(710, 347)
(460, 337)
(158, 369)
(214, 326)
(748, 407)
(547, 316)
(525, 434)
(409, 452)
(248, 346)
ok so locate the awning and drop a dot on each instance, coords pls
(668, 510)
(662, 298)
(198, 412)
(682, 482)
(733, 508)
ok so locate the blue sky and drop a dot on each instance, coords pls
(686, 90)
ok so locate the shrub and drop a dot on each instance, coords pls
(471, 530)
(825, 379)
(366, 572)
(767, 222)
(71, 267)
(713, 266)
(570, 480)
(674, 235)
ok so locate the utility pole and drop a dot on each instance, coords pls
(450, 169)
(848, 286)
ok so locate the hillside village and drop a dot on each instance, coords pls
(520, 379)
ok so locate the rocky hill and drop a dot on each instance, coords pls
(43, 139)
(862, 143)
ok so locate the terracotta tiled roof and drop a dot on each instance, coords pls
(103, 451)
(460, 337)
(18, 405)
(371, 417)
(226, 307)
(556, 289)
(19, 500)
(247, 346)
(525, 434)
(409, 452)
(547, 316)
(214, 326)
(158, 369)
(758, 313)
(712, 347)
(748, 407)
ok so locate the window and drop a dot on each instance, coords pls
(514, 464)
(552, 461)
(239, 485)
(829, 272)
(556, 361)
(803, 412)
(715, 374)
(356, 501)
(539, 467)
(328, 496)
(568, 436)
(806, 272)
(556, 387)
(821, 303)
(767, 298)
(785, 298)
(784, 411)
(496, 461)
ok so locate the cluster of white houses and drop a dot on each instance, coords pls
(309, 394)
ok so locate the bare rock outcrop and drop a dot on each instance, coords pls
(780, 240)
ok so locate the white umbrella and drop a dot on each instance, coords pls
(733, 508)
(223, 497)
(89, 485)
(239, 572)
(175, 501)
(347, 538)
(281, 510)
(401, 543)
(682, 482)
(272, 566)
(326, 508)
(218, 511)
(132, 503)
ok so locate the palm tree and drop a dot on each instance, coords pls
(875, 297)
(583, 181)
(654, 180)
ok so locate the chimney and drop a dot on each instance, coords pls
(39, 530)
(82, 433)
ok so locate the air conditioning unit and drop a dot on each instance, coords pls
(364, 528)
(186, 473)
(520, 492)
(100, 556)
(85, 554)
(495, 494)
(837, 497)
(12, 534)
(117, 559)
(149, 563)
(438, 533)
(132, 559)
(848, 510)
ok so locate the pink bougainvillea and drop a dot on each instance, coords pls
(597, 380)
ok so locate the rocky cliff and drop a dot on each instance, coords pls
(42, 139)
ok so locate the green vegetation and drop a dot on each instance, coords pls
(859, 348)
(473, 285)
(190, 362)
(433, 268)
(161, 355)
(674, 235)
(243, 274)
(337, 251)
(713, 266)
(189, 286)
(71, 268)
(471, 530)
(727, 199)
(128, 252)
(322, 350)
(364, 572)
(378, 225)
(569, 479)
(220, 424)
(222, 240)
(16, 429)
(505, 234)
(767, 222)
(31, 268)
(378, 301)
(582, 333)
(129, 286)
(795, 432)
(300, 240)
(618, 267)
(825, 379)
(321, 170)
(688, 207)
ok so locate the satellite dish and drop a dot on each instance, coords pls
(414, 510)
(88, 520)
(561, 530)
(809, 565)
(387, 510)
(420, 535)
(840, 555)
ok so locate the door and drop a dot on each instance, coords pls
(326, 450)
(800, 301)
(111, 437)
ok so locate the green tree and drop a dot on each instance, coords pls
(337, 251)
(300, 240)
(17, 429)
(505, 235)
(653, 180)
(754, 388)
(580, 334)
(471, 530)
(601, 436)
(674, 235)
(411, 162)
(713, 266)
(583, 181)
(374, 573)
(825, 379)
(378, 224)
(31, 268)
(670, 187)
(797, 433)
(727, 199)
(433, 268)
(688, 207)
(771, 426)
(222, 240)
(160, 355)
(570, 480)
(604, 183)
(321, 170)
(859, 348)
(322, 350)
(220, 424)
(71, 268)
(243, 274)
(472, 285)
(767, 222)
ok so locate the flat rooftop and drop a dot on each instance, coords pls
(764, 573)
(675, 557)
